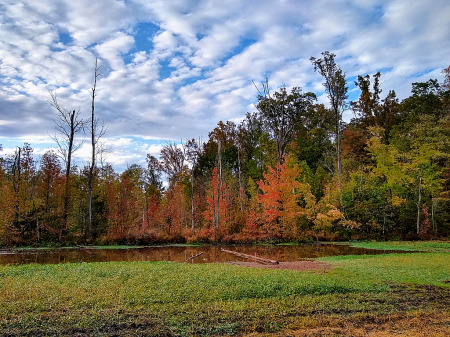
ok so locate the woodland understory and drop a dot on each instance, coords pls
(293, 170)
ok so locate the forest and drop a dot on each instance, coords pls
(292, 170)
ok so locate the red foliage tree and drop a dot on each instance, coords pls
(285, 199)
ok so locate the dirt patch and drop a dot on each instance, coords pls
(415, 324)
(409, 310)
(121, 325)
(295, 265)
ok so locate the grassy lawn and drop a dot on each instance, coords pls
(425, 246)
(163, 298)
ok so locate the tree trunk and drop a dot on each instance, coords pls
(93, 141)
(418, 206)
(241, 188)
(16, 185)
(338, 145)
(67, 184)
(143, 217)
(219, 185)
(434, 205)
(192, 200)
(37, 228)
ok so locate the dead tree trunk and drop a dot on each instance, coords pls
(67, 125)
(192, 201)
(93, 142)
(193, 257)
(250, 257)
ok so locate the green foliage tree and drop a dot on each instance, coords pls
(336, 89)
(281, 112)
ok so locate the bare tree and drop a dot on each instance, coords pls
(67, 126)
(97, 131)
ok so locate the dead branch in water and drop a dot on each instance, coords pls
(193, 257)
(250, 257)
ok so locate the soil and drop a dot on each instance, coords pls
(419, 324)
(129, 325)
(420, 310)
(305, 265)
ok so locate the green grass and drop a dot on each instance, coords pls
(426, 246)
(212, 299)
(417, 268)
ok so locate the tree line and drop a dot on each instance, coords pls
(291, 170)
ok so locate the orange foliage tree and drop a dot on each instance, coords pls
(175, 212)
(285, 199)
(51, 190)
(6, 208)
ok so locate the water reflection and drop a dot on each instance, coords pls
(181, 254)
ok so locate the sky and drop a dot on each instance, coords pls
(171, 70)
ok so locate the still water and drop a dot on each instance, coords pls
(179, 254)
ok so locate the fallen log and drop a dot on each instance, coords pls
(250, 257)
(193, 257)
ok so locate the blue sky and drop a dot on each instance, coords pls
(171, 70)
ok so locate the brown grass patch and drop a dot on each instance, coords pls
(421, 324)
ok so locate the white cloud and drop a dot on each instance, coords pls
(112, 49)
(52, 45)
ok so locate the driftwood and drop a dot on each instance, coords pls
(250, 257)
(193, 257)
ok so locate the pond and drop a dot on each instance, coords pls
(210, 254)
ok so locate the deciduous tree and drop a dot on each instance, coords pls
(68, 125)
(216, 203)
(281, 112)
(97, 131)
(285, 199)
(336, 89)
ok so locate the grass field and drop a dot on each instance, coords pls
(407, 293)
(425, 246)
